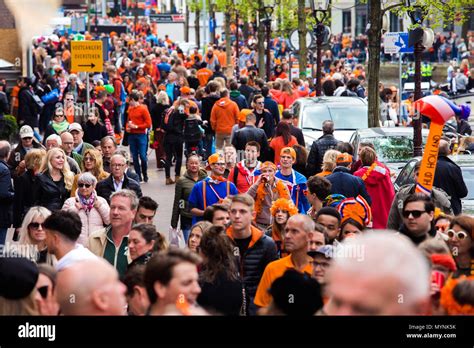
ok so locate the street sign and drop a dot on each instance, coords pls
(396, 43)
(87, 56)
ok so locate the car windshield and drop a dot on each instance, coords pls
(393, 148)
(344, 117)
(468, 176)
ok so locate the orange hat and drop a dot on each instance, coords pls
(285, 205)
(162, 88)
(185, 90)
(343, 158)
(268, 164)
(243, 115)
(288, 150)
(215, 158)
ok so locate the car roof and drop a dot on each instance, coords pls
(332, 100)
(387, 131)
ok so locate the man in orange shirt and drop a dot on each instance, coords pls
(224, 115)
(139, 121)
(297, 233)
(204, 74)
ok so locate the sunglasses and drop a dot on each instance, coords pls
(43, 290)
(461, 235)
(415, 213)
(88, 159)
(260, 103)
(27, 138)
(81, 185)
(35, 225)
(219, 164)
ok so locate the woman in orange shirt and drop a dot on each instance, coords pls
(283, 138)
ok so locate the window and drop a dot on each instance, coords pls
(346, 21)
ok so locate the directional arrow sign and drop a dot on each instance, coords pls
(86, 56)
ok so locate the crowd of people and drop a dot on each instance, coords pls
(259, 224)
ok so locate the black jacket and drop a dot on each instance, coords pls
(418, 240)
(18, 155)
(28, 110)
(247, 91)
(239, 99)
(448, 177)
(106, 187)
(346, 184)
(248, 133)
(94, 132)
(157, 112)
(272, 107)
(316, 154)
(24, 197)
(298, 134)
(223, 296)
(174, 129)
(268, 126)
(6, 196)
(207, 104)
(50, 194)
(253, 263)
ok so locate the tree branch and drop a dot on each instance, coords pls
(391, 7)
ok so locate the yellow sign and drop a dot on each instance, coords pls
(86, 56)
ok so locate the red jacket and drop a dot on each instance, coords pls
(287, 100)
(245, 178)
(380, 189)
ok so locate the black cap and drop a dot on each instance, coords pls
(18, 277)
(296, 293)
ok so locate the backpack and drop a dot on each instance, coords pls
(192, 131)
(167, 123)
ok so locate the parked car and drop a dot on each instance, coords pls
(394, 146)
(347, 113)
(465, 162)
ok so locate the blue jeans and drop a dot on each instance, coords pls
(138, 146)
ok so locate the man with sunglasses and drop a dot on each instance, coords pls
(213, 189)
(264, 118)
(74, 113)
(16, 160)
(418, 215)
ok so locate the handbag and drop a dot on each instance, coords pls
(176, 238)
(51, 97)
(39, 103)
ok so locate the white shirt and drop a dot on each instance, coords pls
(79, 253)
(118, 184)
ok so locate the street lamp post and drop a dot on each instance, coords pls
(268, 10)
(237, 69)
(319, 10)
(417, 16)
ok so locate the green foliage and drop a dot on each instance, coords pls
(8, 128)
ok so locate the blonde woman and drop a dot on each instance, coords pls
(54, 184)
(32, 242)
(92, 163)
(329, 162)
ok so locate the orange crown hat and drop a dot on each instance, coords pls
(288, 151)
(185, 90)
(243, 115)
(268, 164)
(356, 209)
(450, 303)
(284, 204)
(215, 158)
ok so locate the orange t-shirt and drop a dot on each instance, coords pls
(14, 93)
(203, 76)
(275, 270)
(277, 144)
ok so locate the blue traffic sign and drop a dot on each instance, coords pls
(396, 43)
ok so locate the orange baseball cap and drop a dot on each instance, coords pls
(343, 158)
(185, 90)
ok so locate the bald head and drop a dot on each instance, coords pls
(444, 147)
(90, 287)
(4, 149)
(328, 127)
(307, 224)
(67, 142)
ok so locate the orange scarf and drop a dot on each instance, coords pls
(279, 188)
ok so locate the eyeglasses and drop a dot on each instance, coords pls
(58, 115)
(88, 159)
(81, 185)
(35, 225)
(461, 235)
(117, 165)
(323, 265)
(43, 290)
(415, 213)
